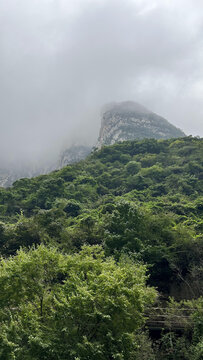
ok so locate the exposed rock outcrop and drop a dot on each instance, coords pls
(73, 154)
(129, 121)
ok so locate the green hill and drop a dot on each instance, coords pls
(141, 199)
(133, 196)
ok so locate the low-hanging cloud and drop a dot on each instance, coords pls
(60, 61)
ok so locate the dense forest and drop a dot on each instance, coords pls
(92, 253)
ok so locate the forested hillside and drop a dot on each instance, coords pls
(108, 236)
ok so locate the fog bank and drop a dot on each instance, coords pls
(60, 61)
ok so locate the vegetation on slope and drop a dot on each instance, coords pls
(138, 199)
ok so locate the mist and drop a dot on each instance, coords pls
(61, 61)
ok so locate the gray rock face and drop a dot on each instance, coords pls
(73, 154)
(10, 175)
(6, 178)
(129, 121)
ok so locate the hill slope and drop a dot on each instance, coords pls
(141, 196)
(138, 201)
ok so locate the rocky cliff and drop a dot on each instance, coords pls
(73, 154)
(129, 121)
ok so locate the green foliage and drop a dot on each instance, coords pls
(72, 208)
(142, 198)
(132, 167)
(56, 306)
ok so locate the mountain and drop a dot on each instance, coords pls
(130, 120)
(119, 122)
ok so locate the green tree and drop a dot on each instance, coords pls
(80, 306)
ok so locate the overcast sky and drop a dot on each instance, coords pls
(61, 60)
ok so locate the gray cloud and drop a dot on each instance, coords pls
(60, 61)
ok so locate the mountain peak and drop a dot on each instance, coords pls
(125, 106)
(129, 120)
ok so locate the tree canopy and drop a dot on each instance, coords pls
(80, 306)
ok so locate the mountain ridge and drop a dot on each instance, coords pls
(120, 121)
